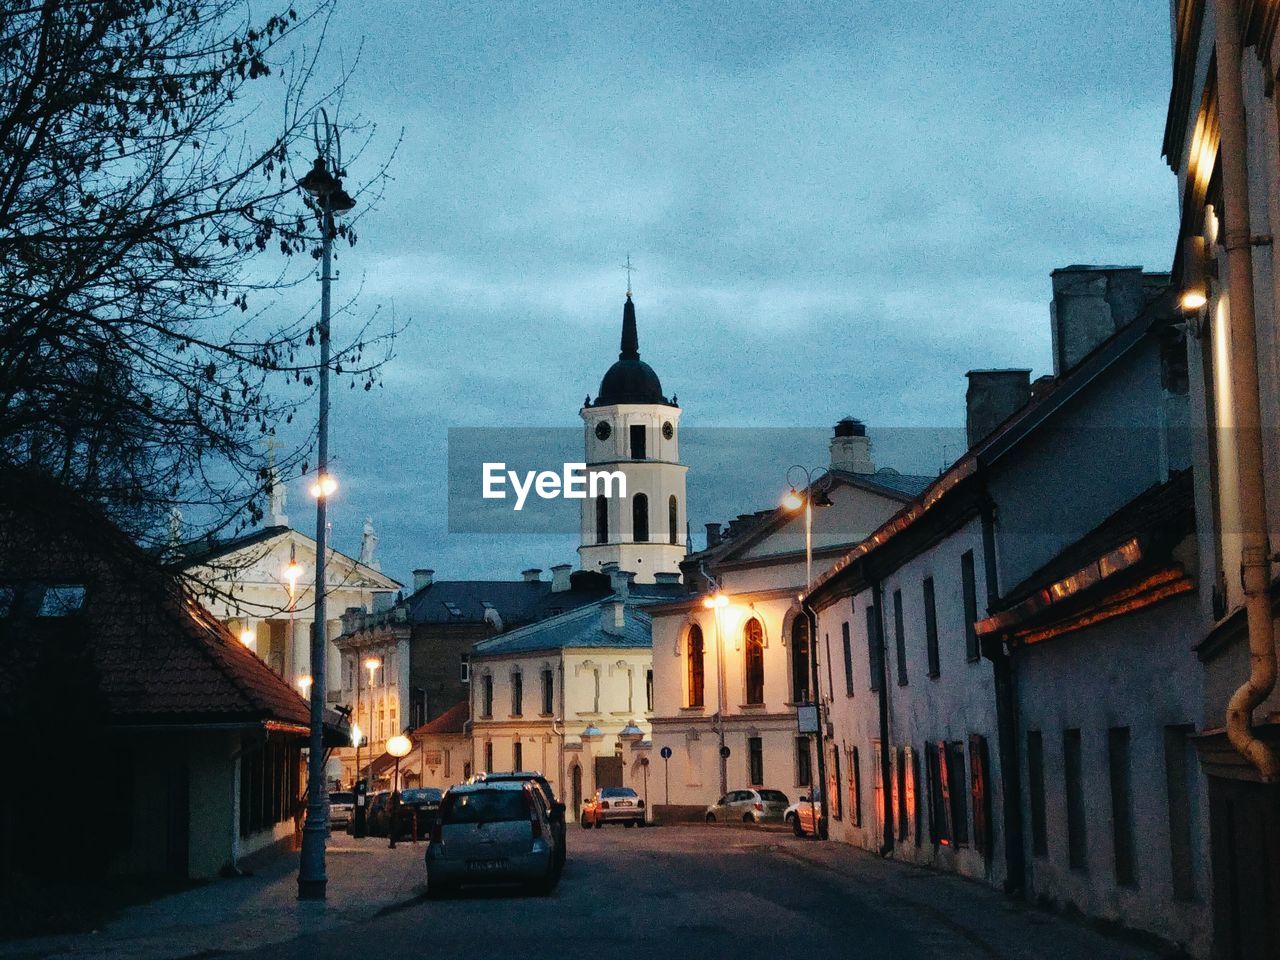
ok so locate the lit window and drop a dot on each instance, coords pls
(753, 633)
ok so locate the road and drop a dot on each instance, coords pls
(720, 892)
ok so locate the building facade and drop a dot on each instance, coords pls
(728, 677)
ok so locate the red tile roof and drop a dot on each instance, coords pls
(453, 720)
(160, 657)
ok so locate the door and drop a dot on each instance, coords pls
(608, 772)
(577, 789)
(1244, 824)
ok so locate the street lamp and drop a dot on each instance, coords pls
(398, 746)
(717, 602)
(323, 183)
(305, 683)
(814, 495)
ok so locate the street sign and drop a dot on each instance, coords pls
(807, 717)
(666, 753)
(644, 761)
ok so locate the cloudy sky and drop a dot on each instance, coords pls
(833, 208)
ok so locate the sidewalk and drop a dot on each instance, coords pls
(365, 877)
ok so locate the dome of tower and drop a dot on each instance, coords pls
(630, 379)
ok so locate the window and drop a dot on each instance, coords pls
(595, 674)
(874, 651)
(694, 666)
(488, 756)
(640, 518)
(61, 600)
(804, 763)
(1073, 775)
(637, 441)
(970, 607)
(939, 811)
(1122, 839)
(753, 634)
(855, 787)
(517, 755)
(800, 660)
(648, 690)
(602, 518)
(848, 659)
(913, 786)
(755, 761)
(464, 668)
(673, 520)
(931, 628)
(486, 703)
(548, 692)
(837, 797)
(904, 819)
(899, 638)
(1035, 792)
(517, 694)
(417, 707)
(979, 777)
(1179, 762)
(958, 793)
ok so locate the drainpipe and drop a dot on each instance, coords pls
(1255, 565)
(1004, 679)
(887, 818)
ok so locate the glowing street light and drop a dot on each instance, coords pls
(372, 664)
(305, 682)
(356, 736)
(247, 637)
(325, 486)
(716, 602)
(793, 500)
(398, 746)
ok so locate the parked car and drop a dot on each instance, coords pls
(422, 803)
(613, 804)
(342, 805)
(378, 813)
(749, 806)
(489, 833)
(805, 815)
(556, 808)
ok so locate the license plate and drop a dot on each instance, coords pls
(483, 866)
(624, 803)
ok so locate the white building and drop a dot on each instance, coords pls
(570, 696)
(734, 674)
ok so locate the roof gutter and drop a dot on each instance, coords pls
(1255, 563)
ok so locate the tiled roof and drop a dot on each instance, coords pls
(887, 480)
(160, 657)
(576, 629)
(453, 720)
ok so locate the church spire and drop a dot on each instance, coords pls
(630, 338)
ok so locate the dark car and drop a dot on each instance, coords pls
(556, 809)
(419, 807)
(378, 817)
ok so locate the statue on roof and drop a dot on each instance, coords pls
(368, 544)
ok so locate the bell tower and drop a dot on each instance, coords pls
(633, 429)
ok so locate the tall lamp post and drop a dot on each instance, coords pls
(814, 495)
(323, 182)
(398, 746)
(717, 602)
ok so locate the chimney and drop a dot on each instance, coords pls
(532, 575)
(666, 579)
(620, 581)
(851, 447)
(422, 579)
(560, 581)
(713, 535)
(613, 617)
(1090, 304)
(993, 396)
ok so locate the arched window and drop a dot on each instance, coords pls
(640, 518)
(602, 518)
(694, 658)
(800, 653)
(673, 523)
(753, 634)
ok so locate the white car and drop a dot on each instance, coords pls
(749, 806)
(342, 804)
(805, 814)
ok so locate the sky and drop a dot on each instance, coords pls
(832, 208)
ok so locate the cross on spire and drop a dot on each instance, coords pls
(627, 267)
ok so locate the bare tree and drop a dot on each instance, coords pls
(143, 230)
